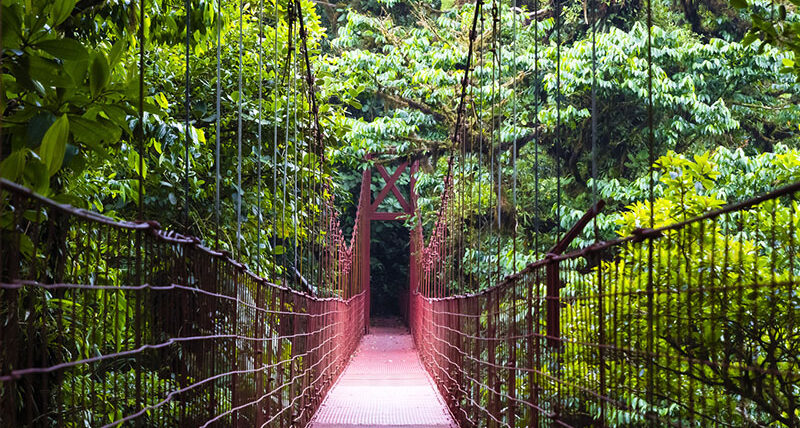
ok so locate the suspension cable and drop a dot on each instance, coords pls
(218, 124)
(141, 109)
(259, 136)
(536, 101)
(473, 182)
(496, 139)
(437, 241)
(318, 148)
(514, 127)
(480, 154)
(275, 93)
(239, 143)
(558, 120)
(595, 197)
(514, 292)
(463, 198)
(290, 81)
(651, 130)
(295, 200)
(499, 49)
(465, 80)
(310, 79)
(186, 196)
(651, 197)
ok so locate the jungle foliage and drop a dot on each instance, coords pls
(387, 78)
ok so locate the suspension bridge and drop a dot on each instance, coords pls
(108, 322)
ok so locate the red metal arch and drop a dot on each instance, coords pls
(370, 213)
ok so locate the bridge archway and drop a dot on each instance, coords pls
(375, 209)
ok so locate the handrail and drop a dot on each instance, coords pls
(576, 230)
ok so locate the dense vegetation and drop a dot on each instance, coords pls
(387, 76)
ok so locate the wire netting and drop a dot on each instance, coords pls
(689, 324)
(106, 322)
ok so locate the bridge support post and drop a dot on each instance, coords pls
(364, 237)
(553, 305)
(553, 283)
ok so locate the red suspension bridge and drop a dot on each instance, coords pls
(181, 335)
(107, 323)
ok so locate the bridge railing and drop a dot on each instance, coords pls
(690, 324)
(105, 323)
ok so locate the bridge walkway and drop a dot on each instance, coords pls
(385, 385)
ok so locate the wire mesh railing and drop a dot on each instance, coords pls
(104, 323)
(690, 324)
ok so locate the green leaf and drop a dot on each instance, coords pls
(739, 4)
(68, 49)
(133, 164)
(54, 145)
(94, 132)
(115, 53)
(11, 27)
(98, 74)
(26, 245)
(354, 103)
(161, 100)
(12, 166)
(787, 62)
(37, 126)
(48, 72)
(749, 38)
(37, 175)
(61, 10)
(76, 70)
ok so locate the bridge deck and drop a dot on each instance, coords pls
(385, 385)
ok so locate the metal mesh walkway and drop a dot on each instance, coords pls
(384, 385)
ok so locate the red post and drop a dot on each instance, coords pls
(553, 305)
(414, 243)
(364, 241)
